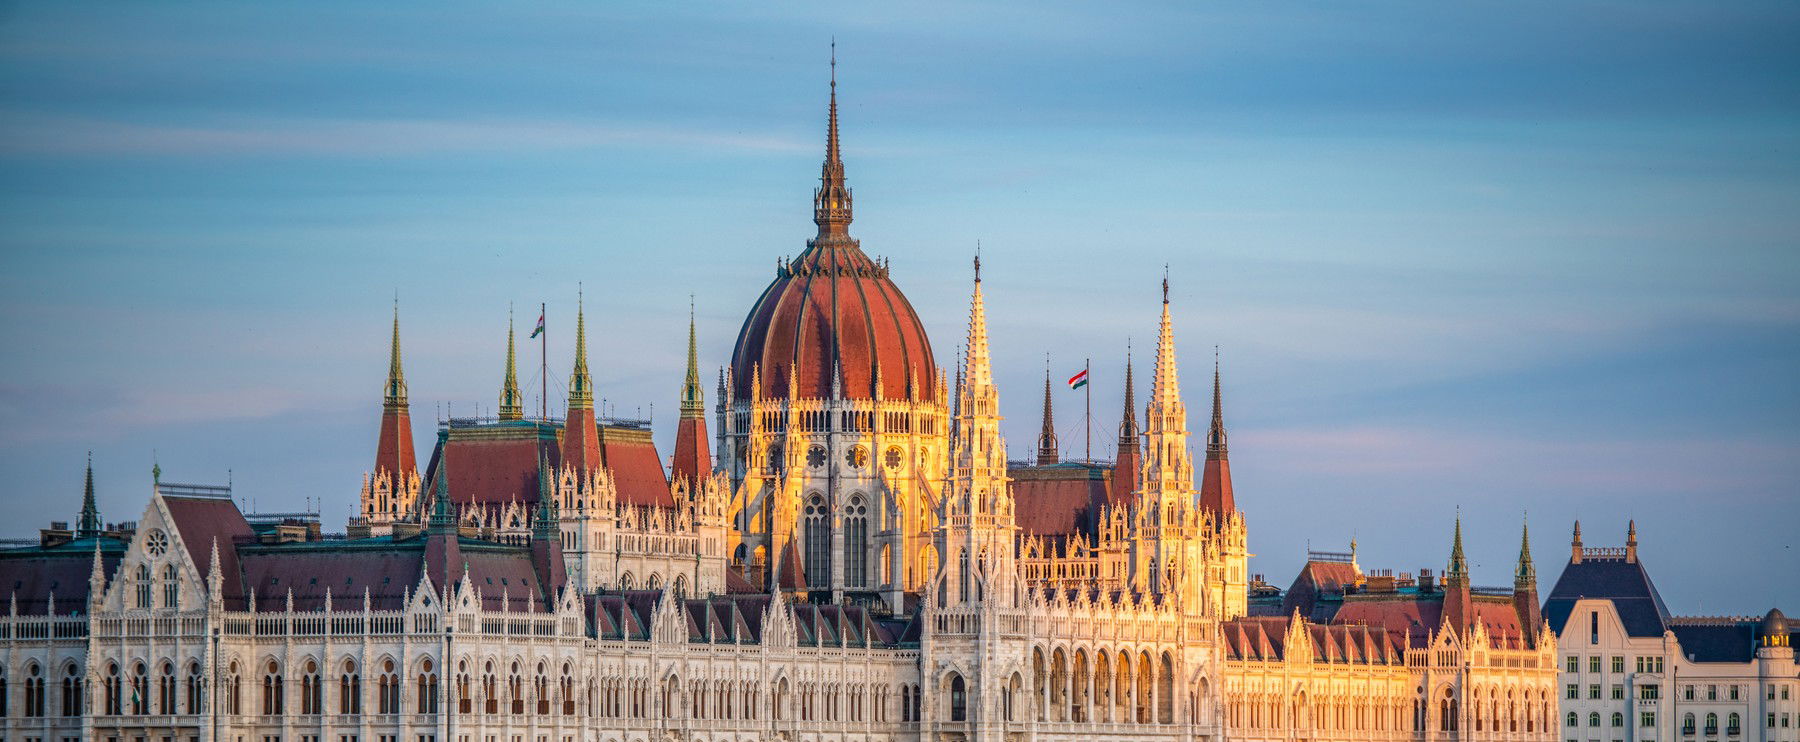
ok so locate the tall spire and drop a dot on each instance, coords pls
(693, 400)
(1125, 467)
(443, 515)
(1047, 449)
(545, 523)
(831, 202)
(1215, 435)
(1526, 572)
(88, 526)
(1128, 423)
(395, 396)
(1459, 565)
(511, 404)
(581, 385)
(1168, 468)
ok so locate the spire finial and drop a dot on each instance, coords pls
(978, 261)
(395, 396)
(693, 403)
(1128, 425)
(511, 403)
(88, 525)
(1165, 284)
(581, 385)
(1047, 448)
(1459, 566)
(1527, 571)
(831, 202)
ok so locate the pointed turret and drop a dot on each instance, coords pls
(443, 512)
(88, 525)
(545, 523)
(693, 460)
(581, 436)
(1631, 541)
(1215, 479)
(1047, 450)
(511, 404)
(1459, 565)
(1575, 545)
(831, 202)
(1525, 598)
(1168, 468)
(394, 447)
(1125, 467)
(1459, 608)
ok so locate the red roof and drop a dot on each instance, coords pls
(1059, 499)
(832, 299)
(693, 459)
(636, 469)
(1215, 486)
(394, 447)
(486, 470)
(204, 520)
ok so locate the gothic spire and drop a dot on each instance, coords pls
(1165, 387)
(980, 369)
(1128, 424)
(581, 385)
(1047, 449)
(545, 525)
(511, 407)
(1215, 435)
(443, 516)
(1526, 572)
(693, 400)
(395, 396)
(88, 526)
(1459, 565)
(831, 202)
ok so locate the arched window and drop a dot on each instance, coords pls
(140, 690)
(626, 582)
(818, 542)
(490, 690)
(349, 689)
(271, 690)
(568, 691)
(34, 690)
(1731, 724)
(143, 586)
(1618, 719)
(963, 579)
(171, 587)
(541, 689)
(312, 690)
(194, 691)
(428, 689)
(464, 699)
(71, 697)
(856, 543)
(1687, 723)
(1593, 718)
(388, 689)
(1712, 724)
(114, 691)
(515, 690)
(959, 699)
(233, 689)
(165, 690)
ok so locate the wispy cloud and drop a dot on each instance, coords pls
(70, 135)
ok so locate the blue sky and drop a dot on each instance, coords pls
(1498, 257)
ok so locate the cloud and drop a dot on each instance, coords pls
(79, 136)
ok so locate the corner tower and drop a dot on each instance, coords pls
(390, 492)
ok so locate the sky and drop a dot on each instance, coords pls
(1517, 261)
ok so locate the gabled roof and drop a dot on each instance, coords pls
(1060, 499)
(1625, 583)
(204, 520)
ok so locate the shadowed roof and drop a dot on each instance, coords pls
(1624, 583)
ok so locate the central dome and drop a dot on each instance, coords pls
(832, 307)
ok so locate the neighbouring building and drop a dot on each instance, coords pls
(1632, 671)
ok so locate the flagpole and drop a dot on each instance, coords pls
(543, 368)
(1088, 426)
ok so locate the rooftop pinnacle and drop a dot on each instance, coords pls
(510, 407)
(831, 202)
(395, 396)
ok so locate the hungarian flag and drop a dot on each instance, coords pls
(1079, 380)
(540, 327)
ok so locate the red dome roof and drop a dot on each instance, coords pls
(832, 306)
(833, 302)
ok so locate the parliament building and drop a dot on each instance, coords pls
(837, 548)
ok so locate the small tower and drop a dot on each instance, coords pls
(692, 461)
(390, 491)
(88, 525)
(581, 434)
(1458, 603)
(1215, 479)
(511, 404)
(1047, 449)
(1525, 597)
(1631, 542)
(1129, 458)
(1575, 545)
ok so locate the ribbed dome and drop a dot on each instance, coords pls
(833, 302)
(832, 306)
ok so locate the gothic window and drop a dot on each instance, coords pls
(271, 690)
(490, 692)
(350, 689)
(143, 586)
(818, 542)
(171, 587)
(428, 689)
(312, 689)
(140, 691)
(541, 688)
(165, 690)
(515, 687)
(857, 457)
(959, 699)
(193, 688)
(856, 543)
(893, 457)
(815, 456)
(962, 562)
(388, 690)
(775, 458)
(34, 691)
(156, 542)
(71, 696)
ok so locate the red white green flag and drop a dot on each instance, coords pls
(540, 327)
(1079, 380)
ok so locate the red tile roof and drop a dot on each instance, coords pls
(637, 471)
(203, 520)
(1059, 499)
